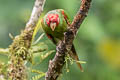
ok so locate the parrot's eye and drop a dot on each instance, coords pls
(47, 21)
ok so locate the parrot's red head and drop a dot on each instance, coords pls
(52, 20)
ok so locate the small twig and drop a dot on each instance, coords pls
(56, 65)
(37, 71)
(4, 51)
(11, 36)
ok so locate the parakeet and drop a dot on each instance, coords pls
(54, 24)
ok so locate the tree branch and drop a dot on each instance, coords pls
(56, 65)
(19, 49)
(36, 12)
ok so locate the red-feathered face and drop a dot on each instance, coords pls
(52, 20)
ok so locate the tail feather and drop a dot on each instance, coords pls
(74, 55)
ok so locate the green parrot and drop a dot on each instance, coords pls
(54, 24)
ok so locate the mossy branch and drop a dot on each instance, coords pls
(56, 65)
(19, 49)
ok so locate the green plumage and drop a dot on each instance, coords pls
(58, 33)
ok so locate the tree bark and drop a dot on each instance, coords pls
(56, 65)
(19, 49)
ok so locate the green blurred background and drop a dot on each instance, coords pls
(97, 42)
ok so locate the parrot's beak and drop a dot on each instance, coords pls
(53, 26)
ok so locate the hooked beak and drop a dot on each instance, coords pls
(53, 26)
